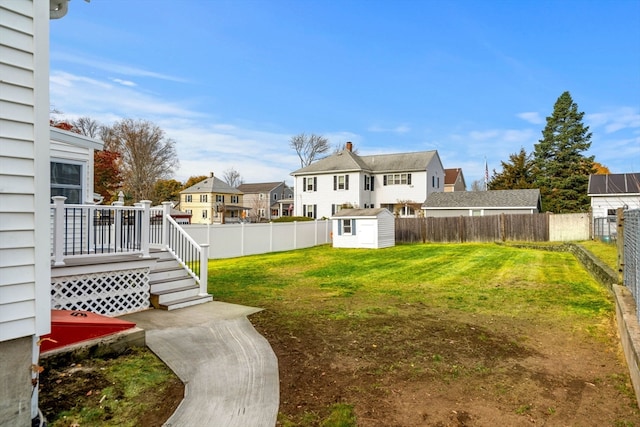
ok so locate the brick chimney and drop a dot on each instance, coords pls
(349, 146)
(210, 174)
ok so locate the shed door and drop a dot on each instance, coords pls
(366, 233)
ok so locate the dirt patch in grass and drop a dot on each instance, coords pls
(91, 392)
(414, 368)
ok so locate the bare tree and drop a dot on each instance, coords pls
(232, 177)
(309, 147)
(87, 126)
(477, 185)
(147, 155)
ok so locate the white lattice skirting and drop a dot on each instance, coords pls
(107, 293)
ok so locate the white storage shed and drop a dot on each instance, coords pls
(363, 228)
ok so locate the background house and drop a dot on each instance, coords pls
(608, 193)
(363, 228)
(212, 201)
(481, 203)
(72, 167)
(454, 180)
(398, 182)
(25, 297)
(267, 200)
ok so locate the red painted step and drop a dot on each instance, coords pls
(73, 326)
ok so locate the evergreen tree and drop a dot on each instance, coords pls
(561, 169)
(516, 174)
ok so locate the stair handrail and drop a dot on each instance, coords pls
(189, 254)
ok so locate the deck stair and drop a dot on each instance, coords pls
(171, 285)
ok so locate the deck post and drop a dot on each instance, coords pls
(58, 230)
(204, 263)
(146, 224)
(117, 224)
(166, 213)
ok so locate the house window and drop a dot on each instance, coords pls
(188, 198)
(66, 180)
(204, 198)
(261, 212)
(234, 199)
(346, 226)
(219, 198)
(340, 182)
(368, 183)
(260, 196)
(309, 211)
(310, 184)
(188, 211)
(397, 179)
(275, 196)
(204, 214)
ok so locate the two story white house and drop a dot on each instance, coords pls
(398, 182)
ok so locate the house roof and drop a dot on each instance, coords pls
(259, 187)
(507, 199)
(211, 185)
(346, 160)
(617, 183)
(370, 212)
(451, 176)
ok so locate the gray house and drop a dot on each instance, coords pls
(267, 200)
(481, 203)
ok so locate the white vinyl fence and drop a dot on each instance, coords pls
(234, 240)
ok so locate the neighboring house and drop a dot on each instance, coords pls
(72, 166)
(608, 193)
(212, 201)
(612, 191)
(482, 203)
(454, 180)
(267, 200)
(25, 290)
(363, 228)
(398, 182)
(179, 216)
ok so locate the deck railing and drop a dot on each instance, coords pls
(95, 230)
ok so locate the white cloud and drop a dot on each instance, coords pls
(400, 129)
(114, 68)
(124, 82)
(615, 120)
(531, 117)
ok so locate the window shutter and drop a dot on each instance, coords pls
(371, 182)
(335, 182)
(340, 227)
(333, 209)
(409, 178)
(315, 210)
(346, 182)
(304, 210)
(315, 184)
(384, 180)
(353, 227)
(304, 184)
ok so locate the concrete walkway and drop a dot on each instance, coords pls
(229, 370)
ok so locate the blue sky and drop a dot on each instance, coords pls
(232, 81)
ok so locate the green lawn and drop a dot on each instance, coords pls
(424, 315)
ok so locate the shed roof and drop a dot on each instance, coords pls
(211, 185)
(369, 212)
(616, 183)
(508, 199)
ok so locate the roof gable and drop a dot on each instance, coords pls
(484, 199)
(211, 185)
(620, 183)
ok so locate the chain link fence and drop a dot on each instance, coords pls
(631, 249)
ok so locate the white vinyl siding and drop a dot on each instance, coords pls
(24, 170)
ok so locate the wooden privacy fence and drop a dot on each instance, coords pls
(518, 227)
